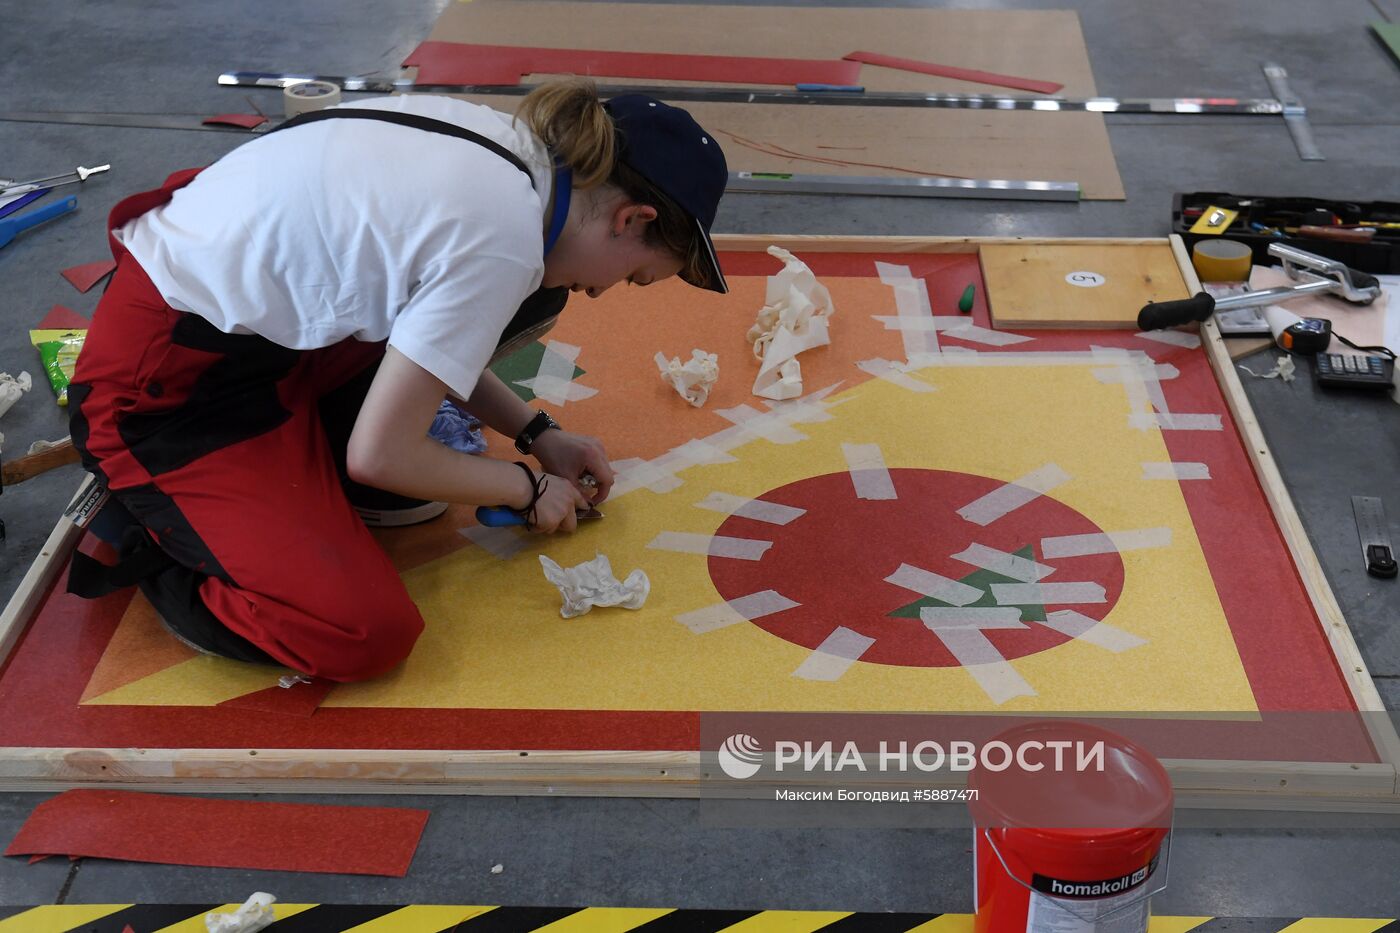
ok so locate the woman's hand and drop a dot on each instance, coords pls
(573, 456)
(557, 507)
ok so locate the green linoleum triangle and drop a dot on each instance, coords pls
(983, 580)
(524, 364)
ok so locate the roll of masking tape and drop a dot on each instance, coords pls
(1218, 260)
(307, 96)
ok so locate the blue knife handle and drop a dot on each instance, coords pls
(498, 517)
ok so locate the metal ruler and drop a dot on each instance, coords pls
(913, 187)
(1284, 102)
(384, 84)
(1375, 536)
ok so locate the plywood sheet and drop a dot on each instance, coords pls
(1072, 285)
(842, 140)
(899, 142)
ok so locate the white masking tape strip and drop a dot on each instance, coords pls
(1046, 594)
(992, 338)
(1128, 372)
(659, 474)
(1172, 421)
(834, 656)
(807, 409)
(960, 327)
(1111, 542)
(966, 356)
(768, 426)
(695, 452)
(869, 475)
(554, 382)
(1175, 470)
(1176, 338)
(1013, 495)
(928, 583)
(911, 302)
(743, 609)
(984, 663)
(1136, 372)
(1100, 634)
(817, 399)
(937, 618)
(502, 542)
(894, 373)
(634, 473)
(774, 513)
(920, 324)
(1008, 565)
(711, 545)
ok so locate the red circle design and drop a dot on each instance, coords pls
(834, 561)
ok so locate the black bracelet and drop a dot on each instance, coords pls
(537, 487)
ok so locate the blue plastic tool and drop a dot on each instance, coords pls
(10, 226)
(21, 202)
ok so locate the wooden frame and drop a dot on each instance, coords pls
(1205, 783)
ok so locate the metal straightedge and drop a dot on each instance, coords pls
(1284, 102)
(1159, 105)
(914, 187)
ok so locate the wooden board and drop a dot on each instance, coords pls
(877, 141)
(1057, 285)
(680, 770)
(893, 142)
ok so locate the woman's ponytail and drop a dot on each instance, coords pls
(569, 118)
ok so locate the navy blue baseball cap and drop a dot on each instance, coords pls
(668, 148)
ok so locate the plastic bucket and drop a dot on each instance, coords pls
(1062, 845)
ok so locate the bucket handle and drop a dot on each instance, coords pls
(1164, 866)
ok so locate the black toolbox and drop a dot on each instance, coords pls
(1380, 256)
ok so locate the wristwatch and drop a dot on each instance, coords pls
(532, 431)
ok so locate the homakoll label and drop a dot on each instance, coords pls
(1079, 890)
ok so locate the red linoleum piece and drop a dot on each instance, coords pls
(84, 277)
(301, 699)
(961, 74)
(246, 120)
(181, 830)
(465, 63)
(61, 317)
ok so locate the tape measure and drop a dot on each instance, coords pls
(1309, 335)
(1375, 536)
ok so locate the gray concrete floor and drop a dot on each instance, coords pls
(126, 56)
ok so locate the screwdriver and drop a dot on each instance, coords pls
(53, 181)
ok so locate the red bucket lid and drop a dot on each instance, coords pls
(1129, 799)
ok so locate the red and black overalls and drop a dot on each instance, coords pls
(216, 444)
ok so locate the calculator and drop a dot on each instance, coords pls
(1348, 371)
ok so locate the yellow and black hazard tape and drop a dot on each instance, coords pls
(432, 918)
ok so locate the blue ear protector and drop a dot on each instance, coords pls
(563, 189)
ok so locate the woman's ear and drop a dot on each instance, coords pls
(632, 216)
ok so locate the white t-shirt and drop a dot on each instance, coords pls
(361, 229)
